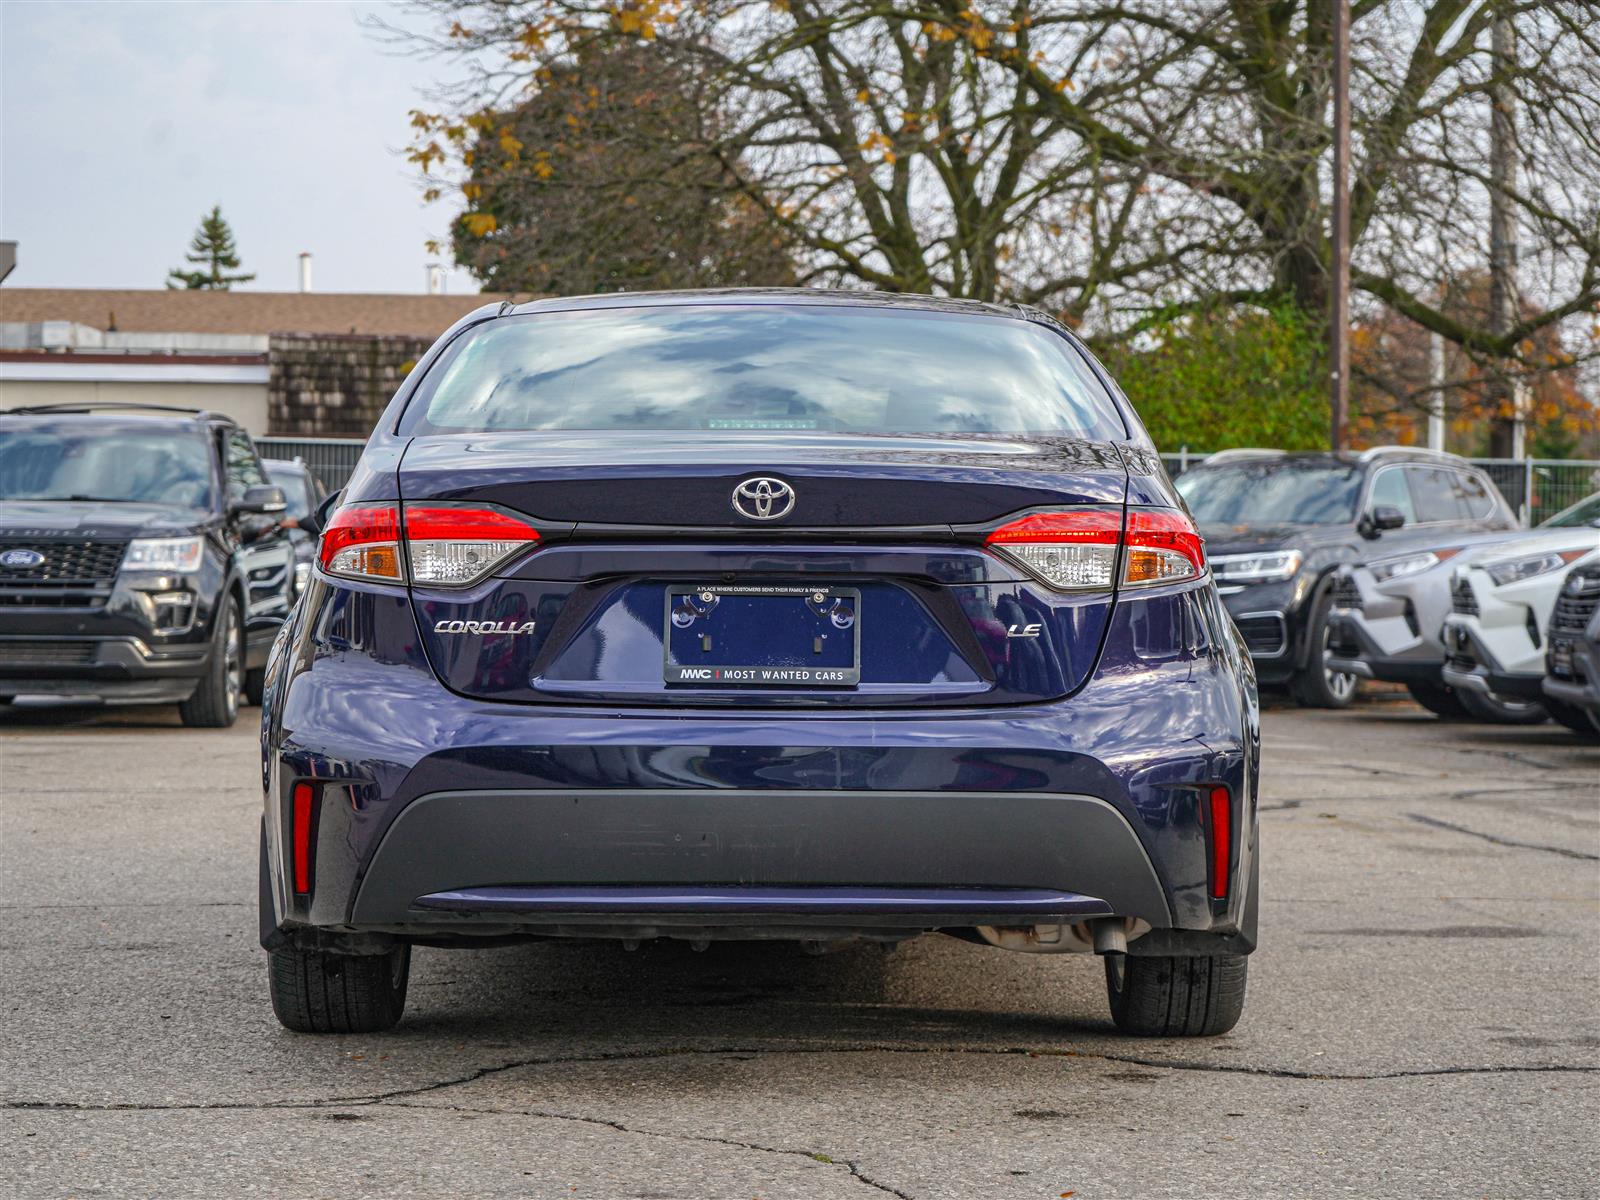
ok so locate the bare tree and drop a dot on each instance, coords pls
(1119, 160)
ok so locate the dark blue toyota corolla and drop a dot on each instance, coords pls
(760, 615)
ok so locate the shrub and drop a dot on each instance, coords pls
(1226, 377)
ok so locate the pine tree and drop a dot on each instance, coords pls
(213, 251)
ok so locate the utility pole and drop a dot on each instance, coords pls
(1339, 314)
(1435, 392)
(1506, 433)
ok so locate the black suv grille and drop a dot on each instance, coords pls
(1462, 599)
(1346, 594)
(73, 574)
(1574, 608)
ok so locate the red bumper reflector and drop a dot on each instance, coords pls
(1221, 841)
(303, 798)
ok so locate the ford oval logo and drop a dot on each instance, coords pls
(763, 498)
(20, 558)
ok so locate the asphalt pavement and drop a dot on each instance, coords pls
(1423, 1016)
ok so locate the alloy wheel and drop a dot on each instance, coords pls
(233, 665)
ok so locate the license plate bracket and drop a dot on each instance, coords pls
(762, 635)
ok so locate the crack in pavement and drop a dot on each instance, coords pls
(623, 1056)
(1500, 841)
(544, 1114)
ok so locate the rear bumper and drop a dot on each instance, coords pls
(982, 847)
(119, 669)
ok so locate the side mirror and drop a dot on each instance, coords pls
(315, 522)
(263, 498)
(1384, 516)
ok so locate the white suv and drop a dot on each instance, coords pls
(1500, 606)
(1388, 614)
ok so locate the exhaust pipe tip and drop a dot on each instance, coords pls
(1110, 936)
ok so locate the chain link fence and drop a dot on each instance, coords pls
(329, 459)
(1534, 487)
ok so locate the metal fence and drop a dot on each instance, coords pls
(1534, 487)
(330, 459)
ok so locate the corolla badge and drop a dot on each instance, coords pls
(21, 558)
(763, 498)
(514, 628)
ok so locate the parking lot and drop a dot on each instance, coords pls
(1422, 1018)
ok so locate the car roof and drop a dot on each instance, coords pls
(115, 421)
(1330, 458)
(1271, 458)
(285, 466)
(822, 297)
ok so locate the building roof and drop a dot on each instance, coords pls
(164, 311)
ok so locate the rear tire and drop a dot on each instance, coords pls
(1574, 718)
(319, 991)
(255, 686)
(1438, 698)
(1499, 711)
(1155, 996)
(215, 703)
(1314, 685)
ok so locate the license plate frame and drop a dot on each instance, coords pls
(820, 601)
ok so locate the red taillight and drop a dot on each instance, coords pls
(453, 545)
(1077, 549)
(302, 803)
(1071, 551)
(1163, 546)
(447, 545)
(363, 541)
(1221, 841)
(1099, 526)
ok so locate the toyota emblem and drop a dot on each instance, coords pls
(763, 499)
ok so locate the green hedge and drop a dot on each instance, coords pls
(1226, 377)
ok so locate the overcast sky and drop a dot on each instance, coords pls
(121, 124)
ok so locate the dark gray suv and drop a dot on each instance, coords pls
(1277, 525)
(141, 558)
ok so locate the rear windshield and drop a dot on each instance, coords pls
(1272, 492)
(845, 369)
(116, 465)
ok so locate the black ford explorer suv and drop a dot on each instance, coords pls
(1276, 525)
(141, 558)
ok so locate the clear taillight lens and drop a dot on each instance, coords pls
(446, 545)
(1078, 549)
(453, 547)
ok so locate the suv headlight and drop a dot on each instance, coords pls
(164, 554)
(1385, 569)
(1256, 568)
(1514, 570)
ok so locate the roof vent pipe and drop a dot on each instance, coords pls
(305, 270)
(435, 279)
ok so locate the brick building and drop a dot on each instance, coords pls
(287, 363)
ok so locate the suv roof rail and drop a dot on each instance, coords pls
(1373, 452)
(83, 406)
(1222, 456)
